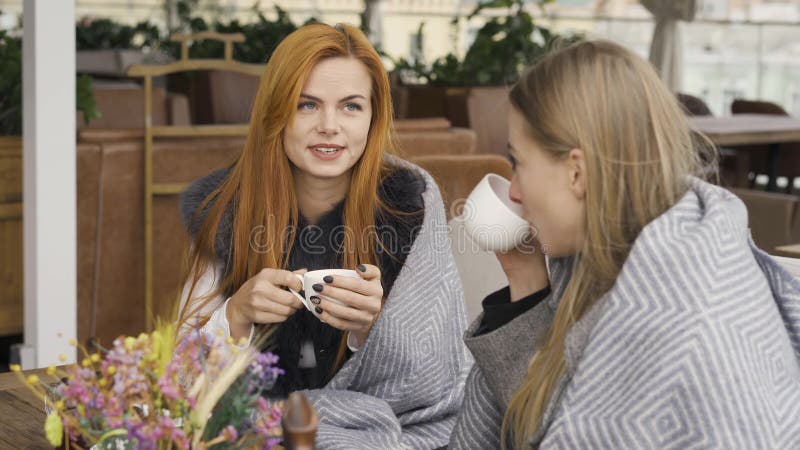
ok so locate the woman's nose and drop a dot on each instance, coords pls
(328, 123)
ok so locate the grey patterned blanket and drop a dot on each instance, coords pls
(697, 345)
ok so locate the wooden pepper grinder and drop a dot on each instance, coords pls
(299, 421)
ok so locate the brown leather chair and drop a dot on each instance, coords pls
(789, 153)
(123, 107)
(693, 106)
(110, 228)
(434, 136)
(457, 175)
(774, 218)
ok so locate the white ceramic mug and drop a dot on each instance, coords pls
(491, 218)
(309, 279)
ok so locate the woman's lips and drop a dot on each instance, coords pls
(326, 153)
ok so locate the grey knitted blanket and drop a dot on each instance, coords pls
(404, 386)
(697, 345)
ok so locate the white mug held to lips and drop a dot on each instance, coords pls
(309, 279)
(491, 218)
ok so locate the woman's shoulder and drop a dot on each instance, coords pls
(194, 195)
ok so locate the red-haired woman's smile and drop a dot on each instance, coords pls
(326, 152)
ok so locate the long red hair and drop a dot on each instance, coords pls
(260, 184)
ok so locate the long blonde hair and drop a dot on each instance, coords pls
(260, 183)
(607, 101)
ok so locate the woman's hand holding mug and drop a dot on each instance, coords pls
(495, 223)
(526, 270)
(263, 299)
(349, 300)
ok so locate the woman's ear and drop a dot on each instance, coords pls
(576, 160)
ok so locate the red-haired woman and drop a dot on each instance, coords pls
(315, 189)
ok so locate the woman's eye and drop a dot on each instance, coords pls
(307, 106)
(352, 107)
(513, 161)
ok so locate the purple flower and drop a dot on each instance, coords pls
(230, 434)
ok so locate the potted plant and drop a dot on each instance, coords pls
(107, 48)
(476, 85)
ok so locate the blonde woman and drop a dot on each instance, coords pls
(314, 188)
(659, 324)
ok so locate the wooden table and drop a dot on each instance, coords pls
(751, 129)
(22, 413)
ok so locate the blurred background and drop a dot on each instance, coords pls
(732, 48)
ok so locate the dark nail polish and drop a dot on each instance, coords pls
(361, 268)
(316, 300)
(317, 287)
(302, 293)
(318, 310)
(328, 279)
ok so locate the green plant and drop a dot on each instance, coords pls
(84, 99)
(10, 85)
(11, 88)
(261, 36)
(502, 48)
(94, 34)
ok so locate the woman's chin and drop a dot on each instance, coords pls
(326, 171)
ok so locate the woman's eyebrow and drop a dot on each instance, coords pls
(352, 97)
(311, 97)
(319, 100)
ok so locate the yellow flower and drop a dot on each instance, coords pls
(73, 342)
(53, 429)
(102, 382)
(62, 357)
(95, 357)
(111, 370)
(15, 367)
(60, 404)
(129, 343)
(51, 370)
(86, 362)
(229, 340)
(33, 379)
(156, 341)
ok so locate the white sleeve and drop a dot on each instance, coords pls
(217, 324)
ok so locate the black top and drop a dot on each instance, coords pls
(498, 309)
(318, 246)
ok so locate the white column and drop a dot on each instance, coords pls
(49, 233)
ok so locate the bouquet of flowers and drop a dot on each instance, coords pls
(146, 393)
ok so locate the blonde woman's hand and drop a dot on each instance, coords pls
(525, 269)
(263, 299)
(362, 300)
